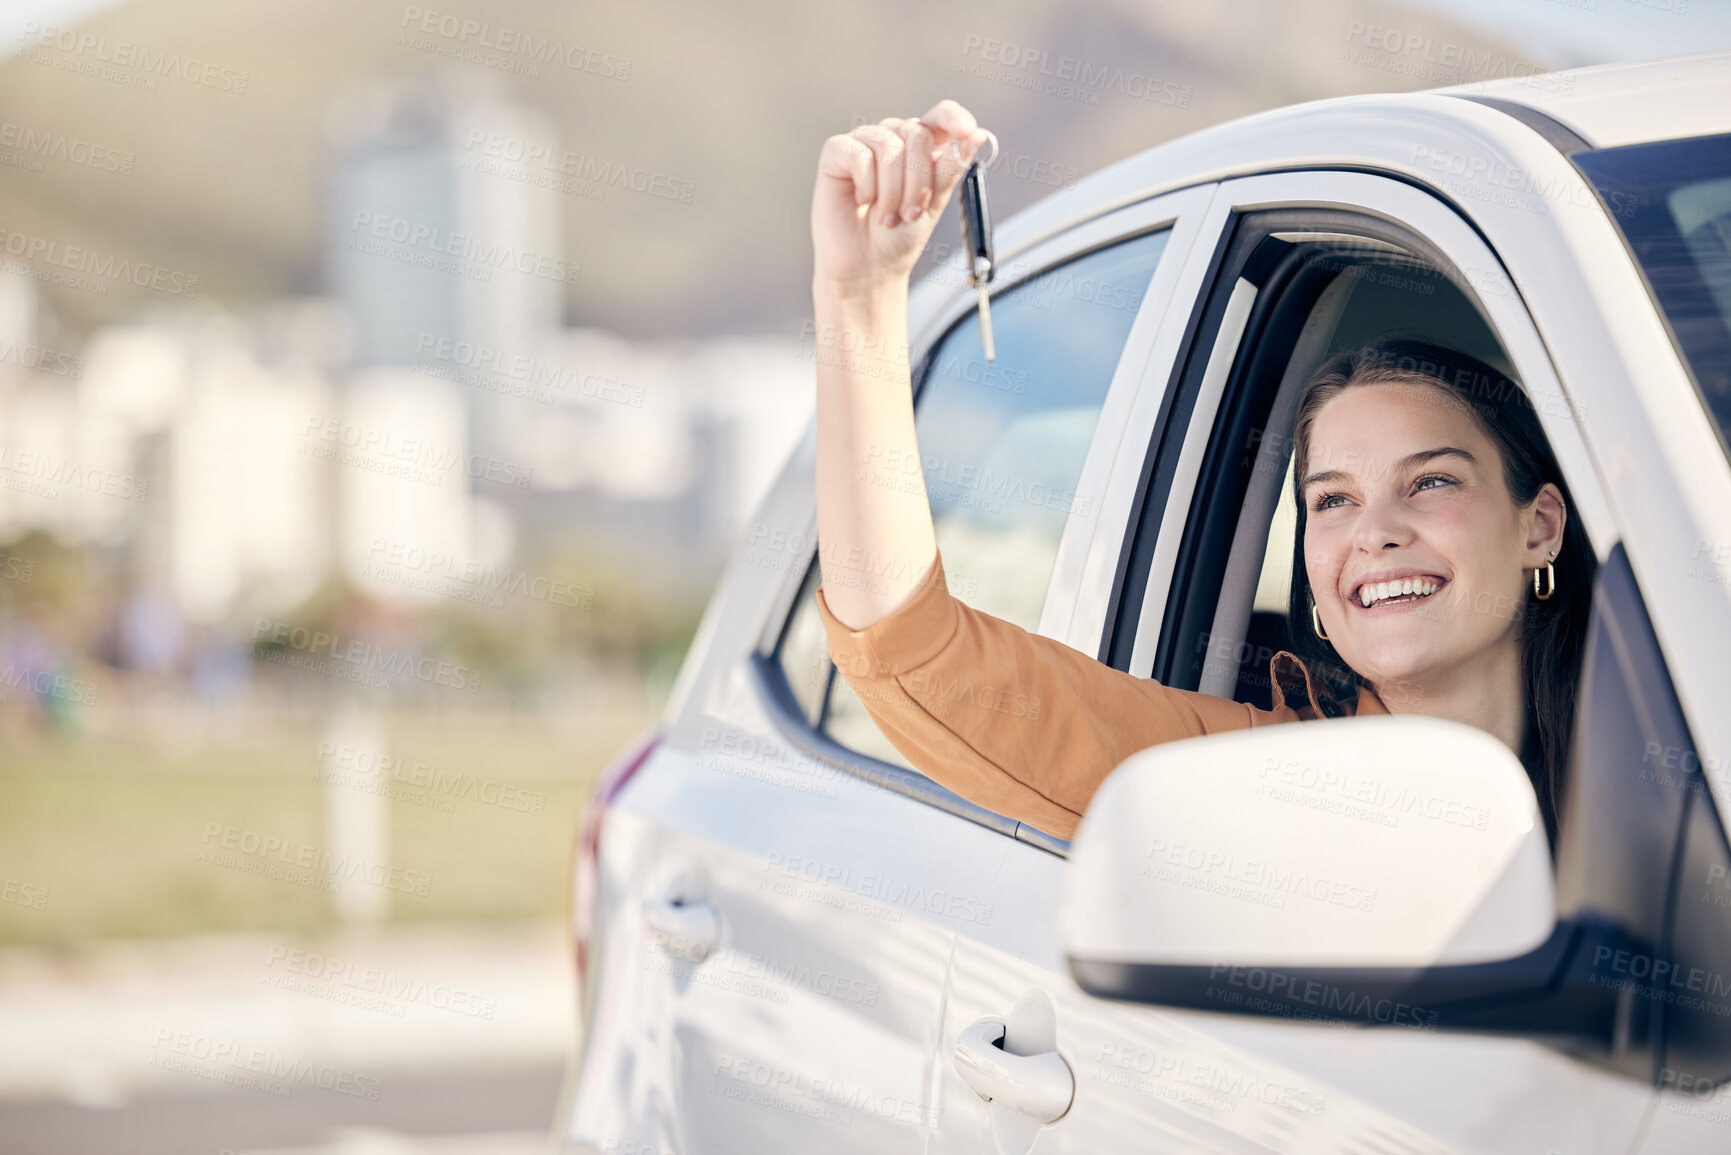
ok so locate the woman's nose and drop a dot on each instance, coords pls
(1382, 525)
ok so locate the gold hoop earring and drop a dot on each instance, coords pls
(1316, 623)
(1550, 582)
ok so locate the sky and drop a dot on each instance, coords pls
(1576, 32)
(18, 15)
(1567, 32)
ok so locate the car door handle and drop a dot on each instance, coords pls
(1039, 1085)
(689, 930)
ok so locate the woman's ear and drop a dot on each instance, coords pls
(1546, 517)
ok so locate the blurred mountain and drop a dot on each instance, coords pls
(729, 101)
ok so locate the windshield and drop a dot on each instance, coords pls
(1672, 200)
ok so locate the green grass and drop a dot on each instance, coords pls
(114, 828)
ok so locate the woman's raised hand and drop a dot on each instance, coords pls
(880, 191)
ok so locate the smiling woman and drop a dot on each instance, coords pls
(1434, 557)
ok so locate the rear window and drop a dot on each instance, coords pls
(1672, 200)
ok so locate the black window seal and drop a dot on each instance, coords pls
(1557, 134)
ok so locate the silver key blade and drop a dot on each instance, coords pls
(986, 324)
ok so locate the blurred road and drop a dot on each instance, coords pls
(437, 1041)
(489, 1110)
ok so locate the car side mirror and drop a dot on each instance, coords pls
(1360, 869)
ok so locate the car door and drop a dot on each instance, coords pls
(1158, 1079)
(788, 888)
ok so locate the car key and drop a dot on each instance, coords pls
(977, 242)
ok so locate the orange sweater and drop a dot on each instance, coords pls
(1020, 723)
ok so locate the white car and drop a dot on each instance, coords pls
(790, 940)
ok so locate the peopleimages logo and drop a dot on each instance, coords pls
(587, 170)
(52, 471)
(339, 868)
(42, 144)
(105, 266)
(363, 655)
(965, 483)
(345, 979)
(515, 42)
(253, 1067)
(1190, 865)
(46, 684)
(360, 768)
(488, 361)
(42, 359)
(1070, 77)
(1324, 999)
(1300, 778)
(469, 251)
(440, 572)
(1663, 977)
(794, 869)
(374, 447)
(124, 54)
(23, 894)
(1421, 55)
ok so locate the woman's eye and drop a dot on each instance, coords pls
(1326, 501)
(1439, 478)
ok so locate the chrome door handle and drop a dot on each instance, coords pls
(1040, 1086)
(689, 930)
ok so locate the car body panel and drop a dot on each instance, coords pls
(1617, 104)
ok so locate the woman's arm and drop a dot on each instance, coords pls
(1017, 722)
(880, 190)
(1020, 723)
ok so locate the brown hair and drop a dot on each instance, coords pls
(1553, 630)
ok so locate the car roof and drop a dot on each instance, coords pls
(1616, 104)
(1605, 106)
(1405, 134)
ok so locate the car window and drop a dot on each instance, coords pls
(1672, 201)
(1002, 445)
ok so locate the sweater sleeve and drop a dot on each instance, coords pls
(1014, 721)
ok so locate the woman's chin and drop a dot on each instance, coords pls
(1392, 656)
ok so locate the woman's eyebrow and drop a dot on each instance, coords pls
(1422, 455)
(1405, 463)
(1325, 475)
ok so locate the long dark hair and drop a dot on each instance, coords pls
(1554, 629)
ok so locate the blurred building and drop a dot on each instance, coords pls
(435, 400)
(445, 248)
(437, 229)
(661, 449)
(174, 448)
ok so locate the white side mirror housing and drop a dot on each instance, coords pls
(1398, 844)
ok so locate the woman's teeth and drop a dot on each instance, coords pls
(1370, 593)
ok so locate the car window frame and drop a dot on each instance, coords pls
(937, 305)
